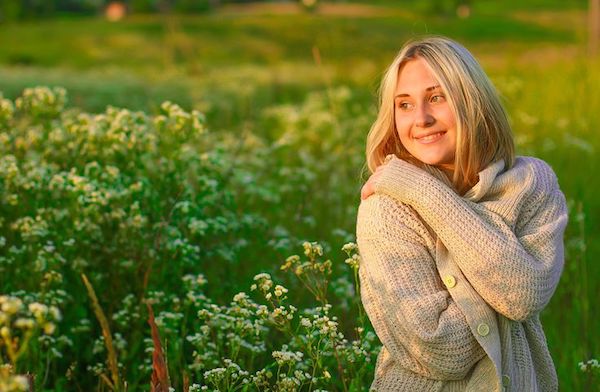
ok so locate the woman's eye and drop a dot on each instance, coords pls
(438, 98)
(404, 106)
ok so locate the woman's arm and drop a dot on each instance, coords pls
(410, 309)
(516, 274)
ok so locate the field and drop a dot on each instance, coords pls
(258, 157)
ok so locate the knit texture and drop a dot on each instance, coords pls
(453, 285)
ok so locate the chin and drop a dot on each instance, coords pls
(430, 161)
(435, 160)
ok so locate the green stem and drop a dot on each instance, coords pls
(361, 315)
(339, 363)
(10, 350)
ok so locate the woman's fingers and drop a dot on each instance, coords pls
(369, 187)
(366, 191)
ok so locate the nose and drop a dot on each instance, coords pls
(423, 117)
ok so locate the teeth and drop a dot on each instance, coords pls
(430, 137)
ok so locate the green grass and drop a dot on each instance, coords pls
(238, 67)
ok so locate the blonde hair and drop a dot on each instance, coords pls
(483, 132)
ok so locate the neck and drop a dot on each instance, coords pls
(448, 170)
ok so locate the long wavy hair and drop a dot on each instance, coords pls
(483, 134)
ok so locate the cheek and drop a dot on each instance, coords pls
(402, 126)
(449, 117)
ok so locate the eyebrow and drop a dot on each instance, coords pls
(428, 89)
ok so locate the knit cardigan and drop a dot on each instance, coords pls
(454, 285)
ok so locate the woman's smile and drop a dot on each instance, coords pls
(430, 137)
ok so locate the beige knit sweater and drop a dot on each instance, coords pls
(454, 285)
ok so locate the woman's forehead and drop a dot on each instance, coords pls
(416, 74)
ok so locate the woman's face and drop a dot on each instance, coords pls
(424, 120)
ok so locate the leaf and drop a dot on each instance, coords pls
(160, 373)
(31, 382)
(186, 382)
(112, 354)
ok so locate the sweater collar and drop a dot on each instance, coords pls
(486, 179)
(479, 190)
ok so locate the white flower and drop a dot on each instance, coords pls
(312, 249)
(239, 297)
(282, 357)
(261, 276)
(280, 290)
(19, 383)
(215, 375)
(353, 261)
(262, 311)
(349, 247)
(55, 313)
(11, 305)
(24, 323)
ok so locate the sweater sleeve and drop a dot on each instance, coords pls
(412, 312)
(515, 273)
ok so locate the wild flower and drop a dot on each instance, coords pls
(9, 382)
(229, 377)
(21, 322)
(31, 229)
(353, 261)
(312, 273)
(349, 248)
(312, 249)
(179, 120)
(590, 366)
(284, 357)
(10, 305)
(42, 102)
(280, 290)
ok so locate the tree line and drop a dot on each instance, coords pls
(15, 10)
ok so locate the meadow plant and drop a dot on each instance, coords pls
(42, 103)
(144, 206)
(592, 366)
(24, 326)
(9, 382)
(135, 201)
(261, 342)
(288, 160)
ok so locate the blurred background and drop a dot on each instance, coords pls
(292, 85)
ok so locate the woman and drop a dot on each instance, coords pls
(461, 242)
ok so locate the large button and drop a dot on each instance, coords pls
(505, 380)
(483, 329)
(449, 281)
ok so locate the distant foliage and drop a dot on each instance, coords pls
(31, 9)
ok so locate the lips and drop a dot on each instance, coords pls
(430, 137)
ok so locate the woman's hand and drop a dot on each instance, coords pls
(369, 187)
